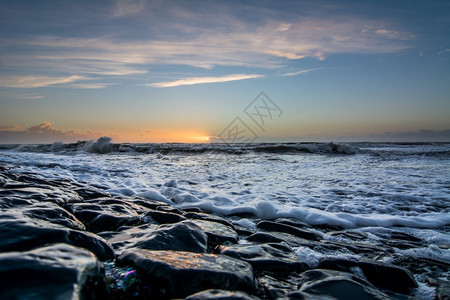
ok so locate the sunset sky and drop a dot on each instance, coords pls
(183, 71)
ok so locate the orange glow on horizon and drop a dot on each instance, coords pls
(153, 136)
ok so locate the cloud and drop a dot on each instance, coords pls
(43, 133)
(299, 72)
(18, 81)
(201, 80)
(179, 34)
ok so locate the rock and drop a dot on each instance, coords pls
(358, 247)
(19, 232)
(218, 233)
(88, 193)
(55, 272)
(293, 222)
(106, 214)
(221, 295)
(337, 285)
(48, 211)
(40, 193)
(179, 274)
(207, 217)
(353, 235)
(291, 240)
(281, 227)
(165, 217)
(381, 275)
(182, 236)
(276, 258)
(443, 290)
(276, 288)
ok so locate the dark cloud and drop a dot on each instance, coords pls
(43, 133)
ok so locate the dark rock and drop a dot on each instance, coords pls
(443, 290)
(293, 222)
(207, 217)
(103, 216)
(182, 236)
(55, 272)
(90, 193)
(291, 240)
(353, 235)
(41, 193)
(179, 274)
(221, 295)
(165, 217)
(218, 233)
(50, 212)
(276, 258)
(338, 285)
(280, 227)
(19, 232)
(381, 275)
(359, 247)
(170, 209)
(276, 288)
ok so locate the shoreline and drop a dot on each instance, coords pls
(94, 244)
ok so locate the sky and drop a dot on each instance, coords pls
(235, 71)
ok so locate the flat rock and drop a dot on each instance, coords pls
(19, 232)
(207, 217)
(55, 272)
(336, 284)
(162, 217)
(291, 240)
(218, 233)
(40, 193)
(221, 295)
(282, 227)
(182, 236)
(381, 275)
(179, 274)
(276, 258)
(107, 214)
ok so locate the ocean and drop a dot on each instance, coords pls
(369, 187)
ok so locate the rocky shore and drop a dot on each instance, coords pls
(66, 240)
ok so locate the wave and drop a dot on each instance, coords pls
(104, 145)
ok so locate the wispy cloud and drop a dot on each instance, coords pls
(201, 80)
(177, 34)
(18, 81)
(301, 72)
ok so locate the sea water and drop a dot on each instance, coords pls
(368, 186)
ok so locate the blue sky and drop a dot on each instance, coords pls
(161, 71)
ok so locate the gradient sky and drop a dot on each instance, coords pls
(181, 71)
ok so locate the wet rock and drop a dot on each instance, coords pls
(41, 193)
(89, 193)
(182, 236)
(221, 295)
(381, 275)
(277, 288)
(207, 217)
(218, 233)
(165, 217)
(52, 213)
(443, 290)
(280, 227)
(358, 247)
(106, 214)
(293, 222)
(19, 232)
(336, 285)
(55, 272)
(276, 258)
(353, 235)
(291, 240)
(179, 274)
(170, 209)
